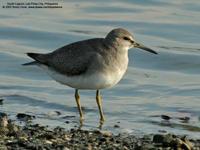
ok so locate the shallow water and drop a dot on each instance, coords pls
(166, 84)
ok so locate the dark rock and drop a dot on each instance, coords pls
(25, 117)
(58, 130)
(116, 126)
(165, 117)
(146, 138)
(166, 140)
(158, 138)
(102, 139)
(1, 101)
(58, 113)
(97, 132)
(40, 137)
(67, 122)
(68, 117)
(184, 119)
(3, 114)
(162, 131)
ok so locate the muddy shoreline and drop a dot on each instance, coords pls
(35, 136)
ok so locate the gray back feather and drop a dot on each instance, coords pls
(75, 58)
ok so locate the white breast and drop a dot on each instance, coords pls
(94, 81)
(97, 80)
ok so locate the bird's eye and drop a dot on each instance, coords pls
(126, 38)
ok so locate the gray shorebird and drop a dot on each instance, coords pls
(92, 64)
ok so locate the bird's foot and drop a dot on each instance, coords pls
(81, 121)
(101, 122)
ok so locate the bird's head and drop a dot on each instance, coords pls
(124, 40)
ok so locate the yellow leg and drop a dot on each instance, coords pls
(77, 97)
(99, 99)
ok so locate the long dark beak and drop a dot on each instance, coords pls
(138, 45)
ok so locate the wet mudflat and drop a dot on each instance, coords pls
(35, 136)
(158, 94)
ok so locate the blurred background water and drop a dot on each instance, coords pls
(167, 84)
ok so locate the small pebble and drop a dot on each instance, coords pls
(184, 119)
(162, 131)
(3, 120)
(24, 117)
(116, 126)
(53, 113)
(106, 133)
(58, 113)
(35, 136)
(67, 122)
(2, 114)
(164, 139)
(48, 142)
(68, 117)
(165, 117)
(1, 101)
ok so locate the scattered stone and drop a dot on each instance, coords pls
(1, 101)
(146, 138)
(158, 138)
(12, 127)
(25, 117)
(35, 136)
(164, 139)
(2, 114)
(67, 122)
(162, 131)
(165, 117)
(53, 113)
(48, 142)
(188, 144)
(68, 117)
(184, 119)
(116, 126)
(106, 133)
(173, 141)
(58, 113)
(182, 145)
(3, 120)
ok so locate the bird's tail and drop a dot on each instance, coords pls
(35, 56)
(39, 59)
(30, 63)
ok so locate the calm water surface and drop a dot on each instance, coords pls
(166, 84)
